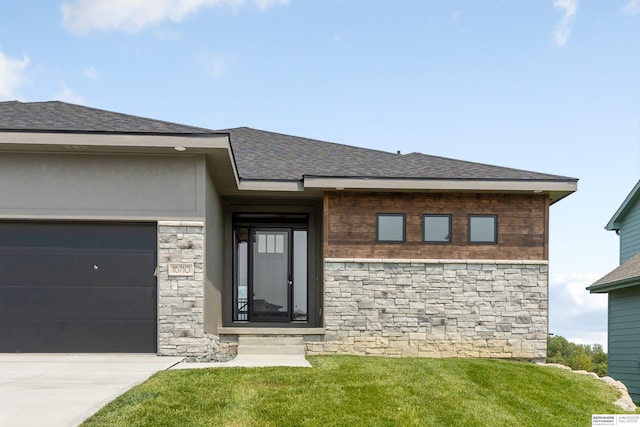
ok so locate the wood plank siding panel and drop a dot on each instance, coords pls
(624, 338)
(325, 229)
(547, 203)
(630, 234)
(350, 221)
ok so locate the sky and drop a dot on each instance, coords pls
(545, 85)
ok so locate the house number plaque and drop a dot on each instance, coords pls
(181, 269)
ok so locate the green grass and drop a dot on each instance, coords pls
(364, 391)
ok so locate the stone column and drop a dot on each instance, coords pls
(181, 296)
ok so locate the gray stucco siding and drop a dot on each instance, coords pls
(214, 256)
(101, 186)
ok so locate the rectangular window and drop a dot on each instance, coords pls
(390, 228)
(483, 229)
(436, 228)
(270, 243)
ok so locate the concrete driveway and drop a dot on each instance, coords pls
(62, 390)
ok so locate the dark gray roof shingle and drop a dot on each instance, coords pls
(630, 269)
(267, 155)
(262, 155)
(59, 116)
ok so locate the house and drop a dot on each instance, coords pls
(125, 234)
(623, 288)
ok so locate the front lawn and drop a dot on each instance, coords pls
(364, 391)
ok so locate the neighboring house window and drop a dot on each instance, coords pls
(436, 228)
(390, 228)
(483, 229)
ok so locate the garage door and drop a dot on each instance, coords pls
(77, 287)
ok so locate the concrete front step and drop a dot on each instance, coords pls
(266, 345)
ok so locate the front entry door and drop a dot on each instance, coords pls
(273, 270)
(271, 275)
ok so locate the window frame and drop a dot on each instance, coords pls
(495, 229)
(404, 227)
(424, 229)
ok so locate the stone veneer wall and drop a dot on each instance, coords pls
(435, 308)
(181, 298)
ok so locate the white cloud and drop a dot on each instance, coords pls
(574, 313)
(130, 16)
(11, 75)
(337, 37)
(632, 7)
(266, 4)
(562, 30)
(574, 284)
(66, 95)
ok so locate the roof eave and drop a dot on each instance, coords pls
(81, 141)
(556, 189)
(270, 185)
(603, 288)
(613, 223)
(214, 146)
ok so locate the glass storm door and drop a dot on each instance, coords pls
(271, 276)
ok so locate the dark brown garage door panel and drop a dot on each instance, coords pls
(77, 287)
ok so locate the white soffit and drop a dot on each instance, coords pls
(256, 185)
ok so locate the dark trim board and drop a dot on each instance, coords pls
(78, 287)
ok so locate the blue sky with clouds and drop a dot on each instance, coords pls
(545, 85)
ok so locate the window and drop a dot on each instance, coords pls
(390, 228)
(483, 229)
(269, 243)
(436, 228)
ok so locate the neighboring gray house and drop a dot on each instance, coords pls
(125, 234)
(623, 287)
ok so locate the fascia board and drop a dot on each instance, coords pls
(78, 141)
(439, 184)
(612, 286)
